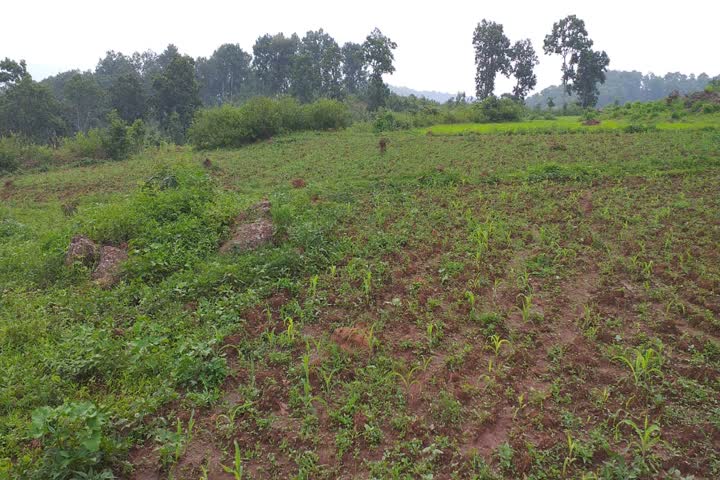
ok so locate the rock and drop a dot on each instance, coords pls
(108, 270)
(81, 250)
(249, 236)
(351, 339)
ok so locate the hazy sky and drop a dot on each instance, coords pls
(434, 37)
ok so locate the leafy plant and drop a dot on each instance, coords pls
(71, 435)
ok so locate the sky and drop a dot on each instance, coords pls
(434, 37)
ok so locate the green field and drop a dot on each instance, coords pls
(461, 306)
(566, 125)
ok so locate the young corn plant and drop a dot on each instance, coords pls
(644, 366)
(647, 437)
(367, 285)
(496, 343)
(525, 307)
(408, 379)
(313, 286)
(326, 375)
(237, 468)
(523, 281)
(570, 458)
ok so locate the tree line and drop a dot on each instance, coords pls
(582, 69)
(621, 87)
(168, 88)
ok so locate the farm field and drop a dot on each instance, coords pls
(544, 305)
(568, 124)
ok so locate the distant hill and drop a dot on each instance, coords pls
(440, 97)
(623, 87)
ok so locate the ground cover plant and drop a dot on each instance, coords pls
(477, 306)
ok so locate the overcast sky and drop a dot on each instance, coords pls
(434, 37)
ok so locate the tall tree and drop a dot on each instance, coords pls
(523, 60)
(224, 75)
(176, 96)
(112, 66)
(273, 62)
(591, 68)
(86, 98)
(12, 72)
(317, 67)
(29, 109)
(491, 56)
(569, 39)
(379, 58)
(354, 67)
(128, 98)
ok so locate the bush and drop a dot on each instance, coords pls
(116, 139)
(72, 436)
(713, 86)
(494, 110)
(387, 121)
(327, 115)
(83, 145)
(16, 152)
(10, 154)
(261, 118)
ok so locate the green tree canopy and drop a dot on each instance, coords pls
(128, 98)
(225, 75)
(12, 72)
(523, 60)
(355, 68)
(176, 96)
(273, 57)
(568, 39)
(30, 109)
(86, 98)
(379, 58)
(591, 68)
(491, 56)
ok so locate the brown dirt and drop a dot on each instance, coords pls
(351, 339)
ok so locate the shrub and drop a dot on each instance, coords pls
(71, 435)
(713, 86)
(493, 110)
(10, 154)
(83, 145)
(327, 114)
(16, 152)
(116, 139)
(387, 121)
(261, 118)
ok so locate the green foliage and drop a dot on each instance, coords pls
(713, 86)
(176, 96)
(496, 110)
(84, 145)
(30, 110)
(557, 173)
(261, 118)
(492, 56)
(16, 152)
(72, 438)
(116, 141)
